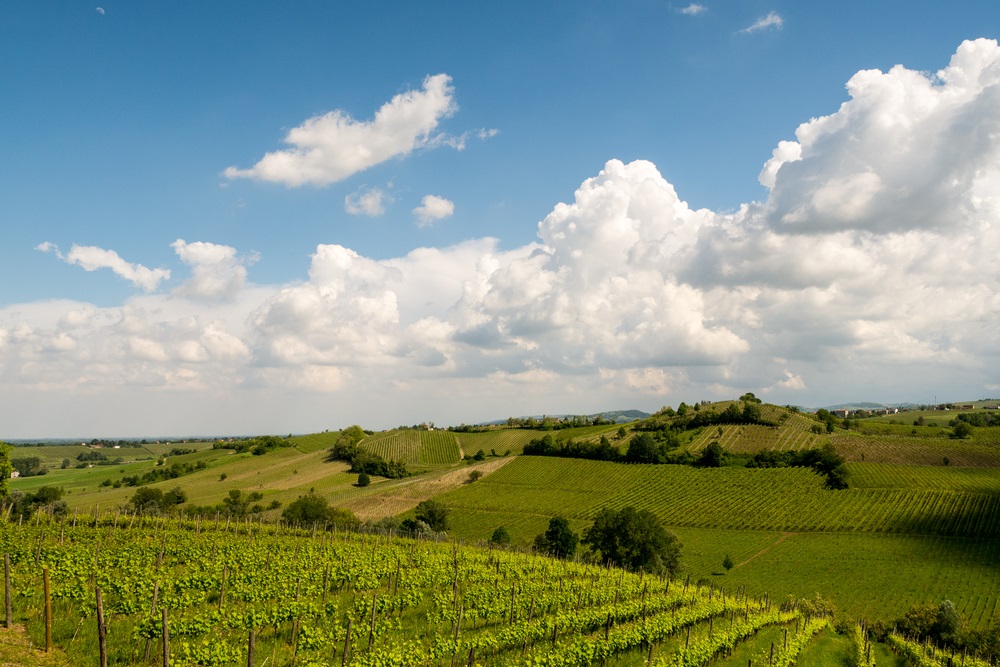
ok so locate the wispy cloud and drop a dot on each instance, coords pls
(91, 258)
(693, 9)
(772, 21)
(366, 201)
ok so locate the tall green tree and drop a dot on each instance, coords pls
(5, 468)
(634, 539)
(558, 540)
(434, 514)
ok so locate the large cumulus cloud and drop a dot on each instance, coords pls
(870, 265)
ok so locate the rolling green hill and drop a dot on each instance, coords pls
(920, 521)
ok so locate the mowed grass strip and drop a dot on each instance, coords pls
(790, 499)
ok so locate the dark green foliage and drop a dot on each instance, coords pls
(634, 539)
(645, 448)
(824, 460)
(474, 476)
(257, 446)
(28, 466)
(948, 625)
(149, 500)
(980, 418)
(5, 468)
(434, 514)
(480, 456)
(347, 448)
(47, 498)
(728, 563)
(962, 430)
(163, 473)
(713, 456)
(309, 509)
(237, 504)
(752, 414)
(558, 539)
(364, 479)
(549, 446)
(500, 537)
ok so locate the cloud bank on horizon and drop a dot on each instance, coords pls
(871, 260)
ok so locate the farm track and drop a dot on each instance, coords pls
(404, 495)
(784, 536)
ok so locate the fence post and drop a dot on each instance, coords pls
(101, 630)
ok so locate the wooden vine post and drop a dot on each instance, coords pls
(102, 636)
(48, 610)
(9, 613)
(166, 639)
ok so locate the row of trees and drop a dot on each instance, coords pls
(348, 448)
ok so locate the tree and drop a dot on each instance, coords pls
(150, 500)
(752, 413)
(558, 539)
(5, 468)
(634, 539)
(962, 430)
(434, 514)
(364, 479)
(644, 449)
(712, 456)
(474, 476)
(237, 505)
(728, 563)
(311, 508)
(500, 536)
(948, 624)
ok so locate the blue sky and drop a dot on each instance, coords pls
(163, 276)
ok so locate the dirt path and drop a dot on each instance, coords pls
(16, 650)
(409, 494)
(784, 536)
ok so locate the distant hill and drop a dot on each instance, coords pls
(617, 416)
(864, 405)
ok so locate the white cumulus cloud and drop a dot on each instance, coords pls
(869, 266)
(433, 208)
(332, 147)
(217, 272)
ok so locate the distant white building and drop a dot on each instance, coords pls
(14, 473)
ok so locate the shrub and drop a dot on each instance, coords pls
(364, 479)
(500, 536)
